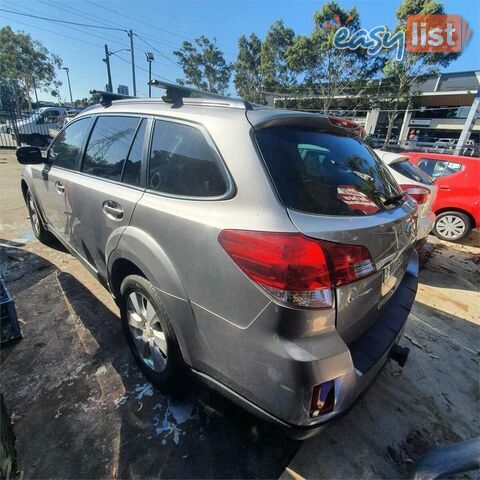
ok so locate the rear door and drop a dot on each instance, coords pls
(450, 177)
(108, 186)
(336, 189)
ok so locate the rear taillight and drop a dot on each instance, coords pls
(349, 262)
(293, 269)
(419, 194)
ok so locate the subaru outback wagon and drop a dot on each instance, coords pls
(269, 252)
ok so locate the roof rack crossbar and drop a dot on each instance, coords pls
(175, 94)
(106, 98)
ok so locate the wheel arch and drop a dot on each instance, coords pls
(138, 253)
(459, 210)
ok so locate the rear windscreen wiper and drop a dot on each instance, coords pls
(394, 199)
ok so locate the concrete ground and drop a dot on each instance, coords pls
(81, 408)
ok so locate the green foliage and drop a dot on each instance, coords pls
(204, 65)
(25, 61)
(274, 69)
(401, 77)
(327, 71)
(247, 78)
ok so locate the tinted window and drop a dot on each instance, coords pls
(439, 168)
(65, 150)
(322, 173)
(182, 162)
(412, 172)
(108, 146)
(132, 168)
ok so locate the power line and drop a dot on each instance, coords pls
(158, 51)
(60, 21)
(56, 33)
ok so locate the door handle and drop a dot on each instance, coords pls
(112, 210)
(444, 187)
(59, 187)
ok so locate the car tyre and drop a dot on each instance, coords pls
(150, 334)
(40, 232)
(452, 226)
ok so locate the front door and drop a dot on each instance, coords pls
(104, 193)
(52, 181)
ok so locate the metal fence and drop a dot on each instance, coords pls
(23, 127)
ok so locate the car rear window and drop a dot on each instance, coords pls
(412, 172)
(324, 173)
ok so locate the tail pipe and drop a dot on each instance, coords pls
(400, 354)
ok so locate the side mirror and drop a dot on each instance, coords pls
(40, 120)
(29, 156)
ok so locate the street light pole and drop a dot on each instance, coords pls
(107, 61)
(69, 86)
(150, 59)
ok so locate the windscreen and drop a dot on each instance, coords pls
(324, 173)
(412, 172)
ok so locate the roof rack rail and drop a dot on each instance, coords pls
(106, 98)
(176, 94)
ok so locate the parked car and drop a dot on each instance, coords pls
(34, 130)
(269, 252)
(457, 204)
(418, 185)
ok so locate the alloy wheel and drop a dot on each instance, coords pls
(34, 218)
(147, 333)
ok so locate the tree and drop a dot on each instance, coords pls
(247, 79)
(328, 71)
(401, 77)
(204, 65)
(25, 63)
(274, 69)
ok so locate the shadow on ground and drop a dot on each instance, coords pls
(82, 408)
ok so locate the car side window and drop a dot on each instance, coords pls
(66, 148)
(439, 168)
(182, 162)
(108, 146)
(133, 165)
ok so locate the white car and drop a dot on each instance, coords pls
(418, 185)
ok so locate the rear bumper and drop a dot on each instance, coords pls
(425, 226)
(353, 368)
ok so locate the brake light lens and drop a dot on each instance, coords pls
(294, 269)
(348, 124)
(419, 194)
(349, 262)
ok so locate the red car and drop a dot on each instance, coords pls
(457, 205)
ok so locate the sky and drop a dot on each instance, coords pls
(160, 26)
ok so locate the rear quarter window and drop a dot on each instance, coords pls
(324, 173)
(439, 168)
(407, 169)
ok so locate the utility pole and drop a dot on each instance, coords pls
(107, 61)
(130, 34)
(69, 86)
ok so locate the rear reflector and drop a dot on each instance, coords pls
(294, 269)
(419, 194)
(323, 399)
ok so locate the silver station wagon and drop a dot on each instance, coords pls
(268, 252)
